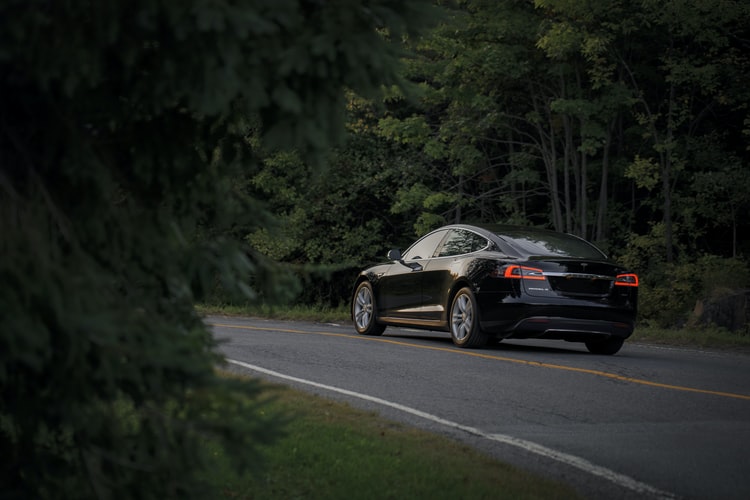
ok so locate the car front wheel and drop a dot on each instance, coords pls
(364, 311)
(464, 320)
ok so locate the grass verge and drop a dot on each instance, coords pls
(298, 313)
(333, 451)
(702, 338)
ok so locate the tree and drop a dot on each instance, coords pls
(123, 126)
(467, 73)
(690, 56)
(721, 194)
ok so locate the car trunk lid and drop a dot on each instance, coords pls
(575, 278)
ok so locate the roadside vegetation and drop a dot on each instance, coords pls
(300, 312)
(696, 337)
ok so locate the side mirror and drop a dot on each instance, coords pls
(395, 255)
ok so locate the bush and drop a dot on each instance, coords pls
(669, 293)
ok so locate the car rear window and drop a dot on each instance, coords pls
(551, 243)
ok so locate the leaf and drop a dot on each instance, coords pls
(644, 171)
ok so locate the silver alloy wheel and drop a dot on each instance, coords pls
(363, 308)
(462, 317)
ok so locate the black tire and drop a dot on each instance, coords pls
(463, 320)
(364, 312)
(608, 347)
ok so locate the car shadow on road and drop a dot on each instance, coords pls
(513, 345)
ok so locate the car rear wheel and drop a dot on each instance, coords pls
(364, 311)
(608, 346)
(464, 320)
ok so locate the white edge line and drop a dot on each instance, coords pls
(529, 446)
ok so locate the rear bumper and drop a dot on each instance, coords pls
(576, 330)
(576, 321)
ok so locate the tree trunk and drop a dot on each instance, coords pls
(601, 212)
(582, 191)
(666, 178)
(566, 175)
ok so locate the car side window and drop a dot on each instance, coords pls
(478, 242)
(424, 248)
(461, 242)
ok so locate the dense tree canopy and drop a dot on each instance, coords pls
(125, 129)
(625, 122)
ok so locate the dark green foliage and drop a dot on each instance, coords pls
(622, 122)
(332, 221)
(124, 127)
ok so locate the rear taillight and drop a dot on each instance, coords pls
(523, 272)
(626, 280)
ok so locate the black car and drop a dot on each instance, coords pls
(493, 281)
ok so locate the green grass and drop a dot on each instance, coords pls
(704, 338)
(333, 451)
(298, 313)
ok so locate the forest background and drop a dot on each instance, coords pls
(625, 123)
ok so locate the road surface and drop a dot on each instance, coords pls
(649, 422)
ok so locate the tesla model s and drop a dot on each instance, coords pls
(482, 282)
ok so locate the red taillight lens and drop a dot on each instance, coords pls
(523, 272)
(626, 280)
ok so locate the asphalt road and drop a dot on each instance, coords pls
(649, 422)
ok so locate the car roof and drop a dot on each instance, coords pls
(511, 235)
(499, 229)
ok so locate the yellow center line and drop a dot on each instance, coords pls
(477, 354)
